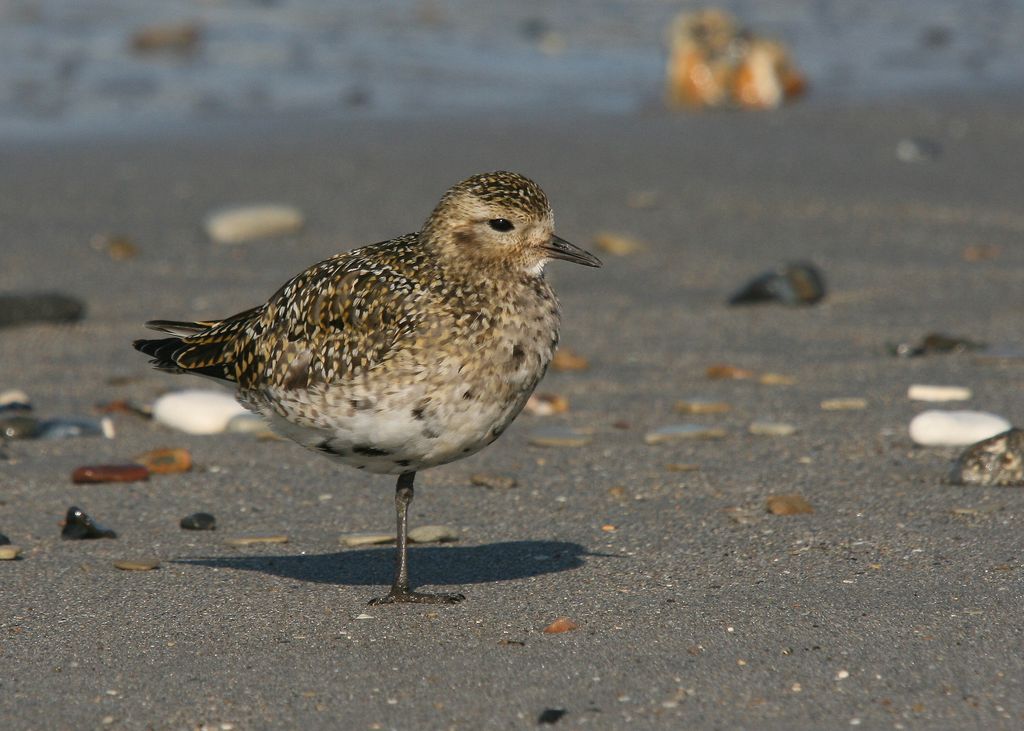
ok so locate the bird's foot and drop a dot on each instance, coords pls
(404, 596)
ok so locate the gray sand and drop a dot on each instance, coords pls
(896, 604)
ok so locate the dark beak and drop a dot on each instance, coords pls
(559, 248)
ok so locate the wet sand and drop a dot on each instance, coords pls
(895, 604)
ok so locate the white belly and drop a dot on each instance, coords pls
(392, 436)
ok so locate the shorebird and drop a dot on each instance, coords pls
(401, 355)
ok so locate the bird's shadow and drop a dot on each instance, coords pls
(434, 565)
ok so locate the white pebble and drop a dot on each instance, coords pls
(771, 428)
(14, 396)
(244, 223)
(677, 432)
(924, 392)
(955, 428)
(197, 411)
(432, 534)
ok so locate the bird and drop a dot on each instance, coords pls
(401, 355)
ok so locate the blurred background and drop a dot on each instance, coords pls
(73, 65)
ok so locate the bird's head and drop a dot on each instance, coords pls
(502, 220)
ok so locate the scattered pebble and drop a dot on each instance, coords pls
(433, 534)
(618, 244)
(500, 482)
(846, 403)
(776, 379)
(9, 552)
(559, 436)
(800, 283)
(723, 371)
(682, 467)
(253, 540)
(568, 360)
(117, 247)
(353, 540)
(923, 392)
(609, 528)
(546, 404)
(4, 540)
(917, 150)
(198, 521)
(20, 427)
(25, 309)
(994, 462)
(788, 505)
(90, 474)
(139, 564)
(14, 400)
(771, 428)
(550, 716)
(934, 343)
(245, 223)
(935, 428)
(676, 432)
(197, 411)
(80, 526)
(71, 428)
(166, 461)
(174, 37)
(562, 624)
(702, 406)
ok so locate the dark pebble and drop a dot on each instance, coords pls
(20, 427)
(110, 473)
(199, 521)
(24, 309)
(4, 540)
(994, 462)
(70, 428)
(79, 527)
(550, 716)
(934, 343)
(798, 284)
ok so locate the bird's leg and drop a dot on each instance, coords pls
(400, 588)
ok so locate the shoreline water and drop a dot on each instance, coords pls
(69, 69)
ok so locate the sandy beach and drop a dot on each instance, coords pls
(895, 604)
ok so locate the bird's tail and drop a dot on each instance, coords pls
(205, 348)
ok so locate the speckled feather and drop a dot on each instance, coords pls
(403, 354)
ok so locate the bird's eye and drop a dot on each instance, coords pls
(500, 224)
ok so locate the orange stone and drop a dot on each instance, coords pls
(166, 461)
(724, 371)
(110, 473)
(568, 360)
(788, 505)
(562, 624)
